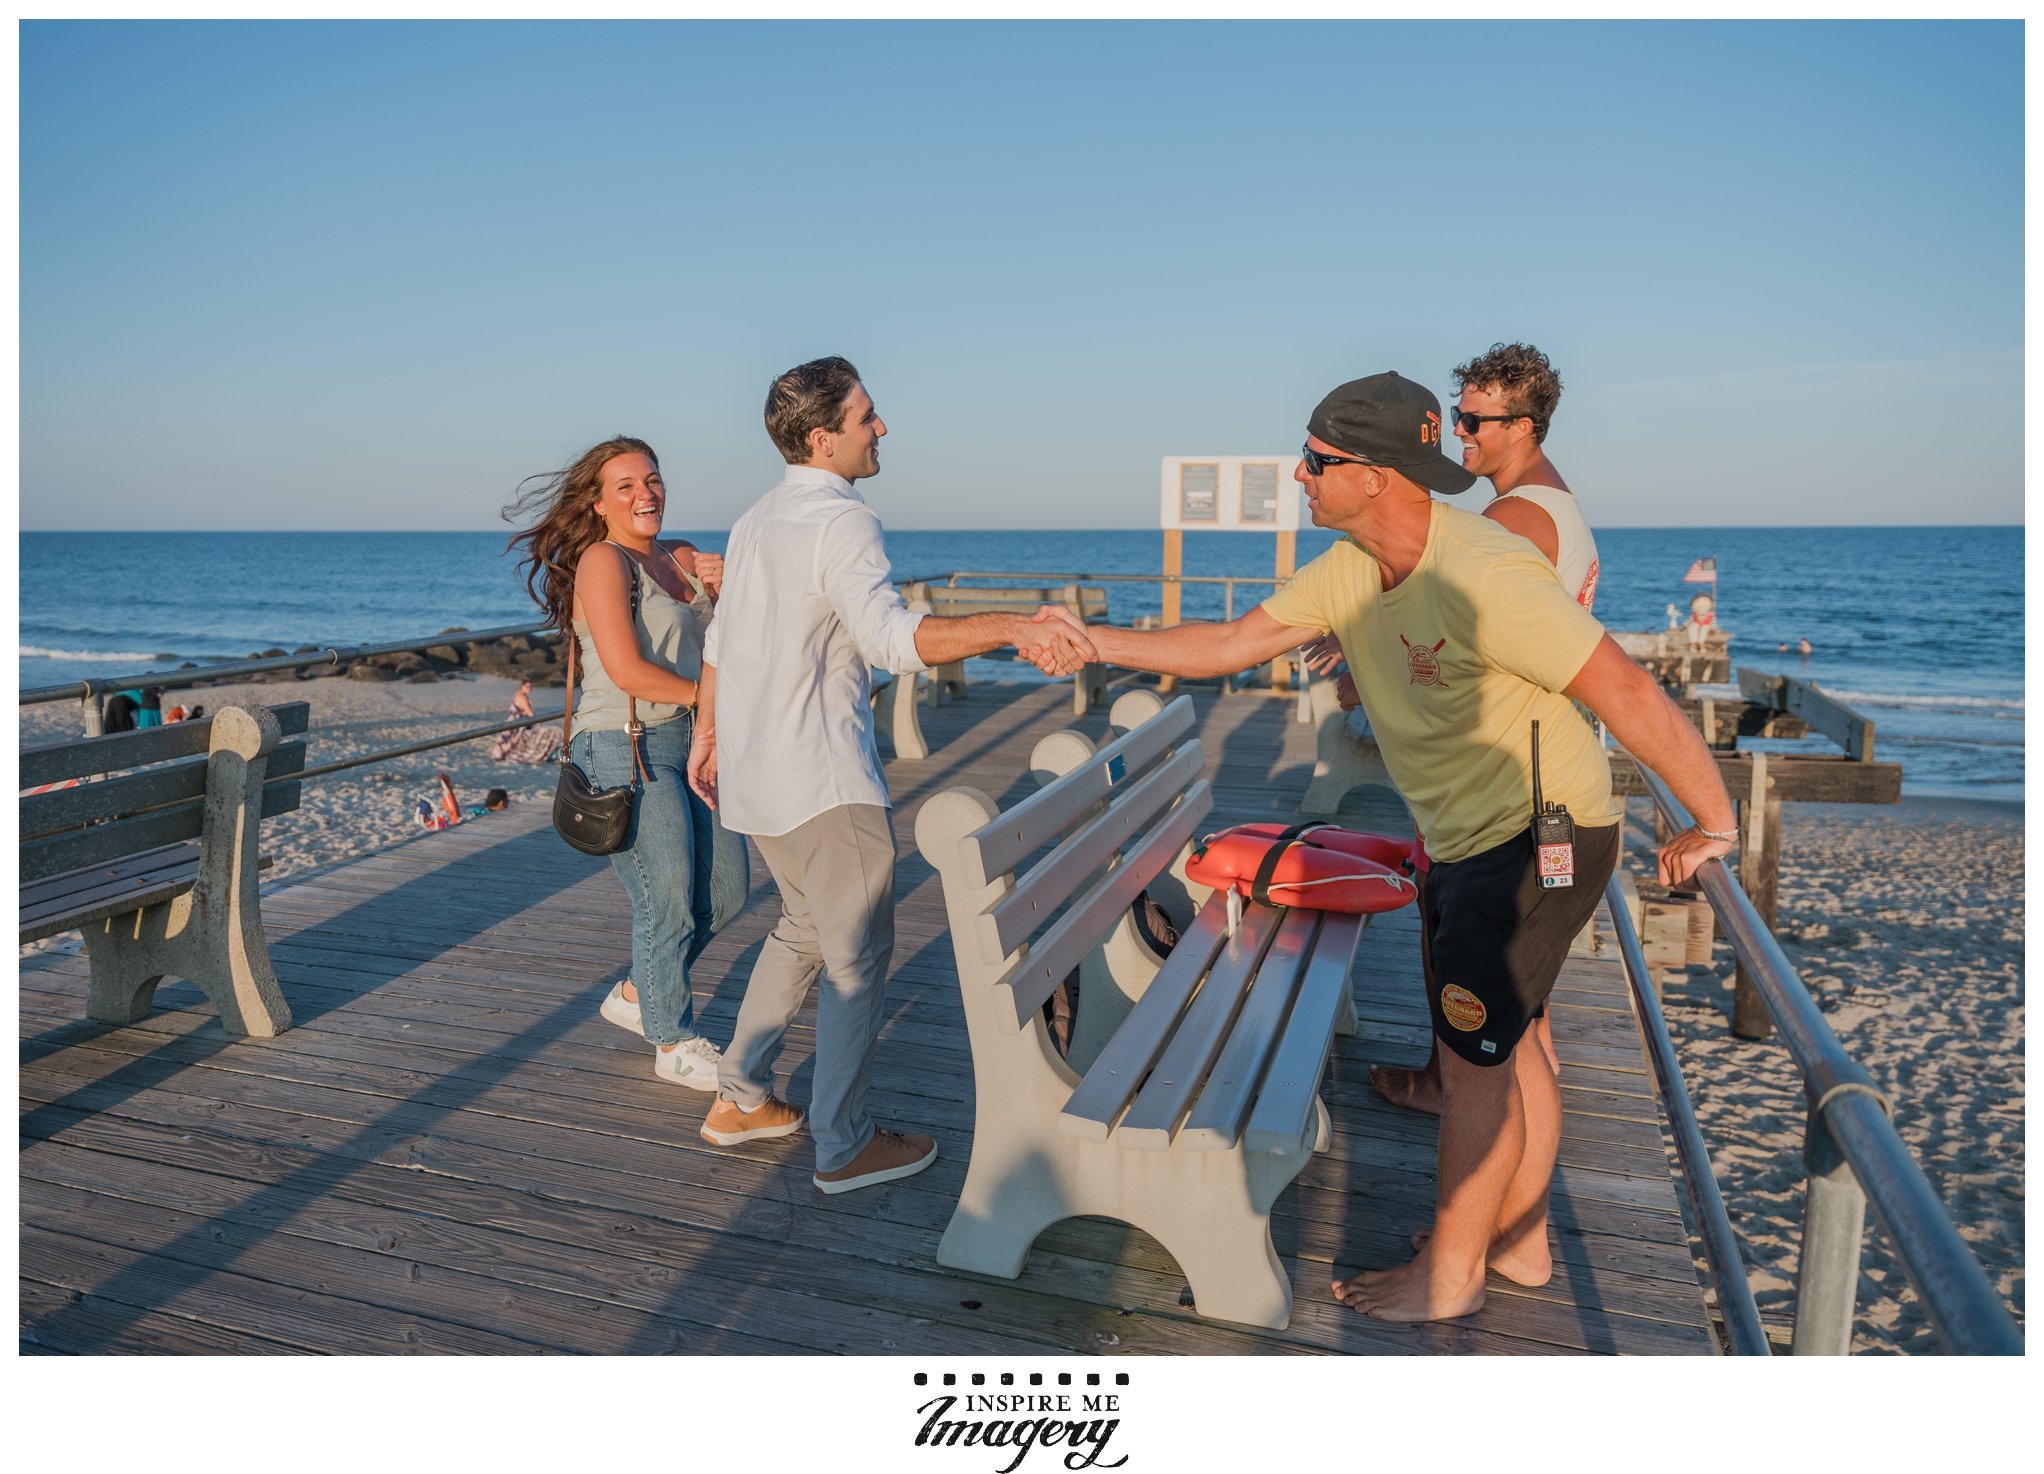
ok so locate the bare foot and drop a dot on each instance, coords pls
(1528, 1262)
(1416, 1090)
(1411, 1292)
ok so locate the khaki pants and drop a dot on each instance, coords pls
(836, 877)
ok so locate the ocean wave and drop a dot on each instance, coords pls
(41, 652)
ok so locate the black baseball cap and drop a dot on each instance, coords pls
(1393, 422)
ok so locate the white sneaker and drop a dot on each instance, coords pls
(692, 1063)
(622, 1011)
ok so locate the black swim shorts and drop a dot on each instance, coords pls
(1493, 940)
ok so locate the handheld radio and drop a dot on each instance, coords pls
(1554, 833)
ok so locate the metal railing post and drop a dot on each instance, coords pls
(1834, 1223)
(1228, 617)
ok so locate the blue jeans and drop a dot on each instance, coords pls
(686, 875)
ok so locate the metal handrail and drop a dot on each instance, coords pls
(1159, 578)
(156, 680)
(1854, 1155)
(1713, 1224)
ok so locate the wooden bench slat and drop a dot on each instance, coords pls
(42, 858)
(165, 783)
(1044, 815)
(1291, 1086)
(85, 757)
(62, 913)
(146, 862)
(1051, 959)
(1153, 1119)
(1215, 1121)
(1126, 1058)
(1054, 878)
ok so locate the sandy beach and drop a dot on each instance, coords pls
(1905, 921)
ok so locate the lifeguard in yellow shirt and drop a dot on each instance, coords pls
(1461, 637)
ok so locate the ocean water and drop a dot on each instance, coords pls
(1919, 628)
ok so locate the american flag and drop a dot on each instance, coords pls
(1703, 570)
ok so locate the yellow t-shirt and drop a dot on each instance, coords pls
(1453, 666)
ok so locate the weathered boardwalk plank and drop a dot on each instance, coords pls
(450, 1152)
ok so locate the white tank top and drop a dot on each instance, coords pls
(1575, 550)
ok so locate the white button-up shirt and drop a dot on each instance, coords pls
(809, 610)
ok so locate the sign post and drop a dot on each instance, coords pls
(1228, 494)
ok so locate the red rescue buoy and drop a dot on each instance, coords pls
(1316, 867)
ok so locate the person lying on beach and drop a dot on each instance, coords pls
(636, 607)
(1460, 637)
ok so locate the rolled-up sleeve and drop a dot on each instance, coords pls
(852, 568)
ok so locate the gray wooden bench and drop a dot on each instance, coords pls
(153, 857)
(1088, 602)
(1193, 1111)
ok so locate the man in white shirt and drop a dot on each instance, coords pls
(784, 747)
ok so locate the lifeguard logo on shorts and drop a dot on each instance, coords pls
(1424, 661)
(1462, 1008)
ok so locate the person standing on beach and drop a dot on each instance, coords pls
(1460, 638)
(784, 746)
(637, 606)
(1506, 400)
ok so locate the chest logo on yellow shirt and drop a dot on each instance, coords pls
(1424, 661)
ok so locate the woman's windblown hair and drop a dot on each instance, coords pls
(567, 525)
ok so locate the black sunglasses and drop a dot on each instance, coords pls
(1467, 423)
(1317, 464)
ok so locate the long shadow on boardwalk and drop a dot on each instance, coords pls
(454, 890)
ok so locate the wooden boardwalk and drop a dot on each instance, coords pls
(451, 1152)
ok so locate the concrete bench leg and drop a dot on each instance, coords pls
(212, 935)
(897, 720)
(1342, 761)
(1089, 688)
(947, 680)
(1209, 1209)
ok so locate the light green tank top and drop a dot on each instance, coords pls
(670, 634)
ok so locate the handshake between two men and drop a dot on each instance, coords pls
(1064, 645)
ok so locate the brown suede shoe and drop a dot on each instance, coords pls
(726, 1125)
(889, 1155)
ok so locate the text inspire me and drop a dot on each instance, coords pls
(1022, 1436)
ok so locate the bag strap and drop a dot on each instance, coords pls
(1259, 888)
(632, 729)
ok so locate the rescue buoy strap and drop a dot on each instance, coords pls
(1259, 888)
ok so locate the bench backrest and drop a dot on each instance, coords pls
(1112, 824)
(1089, 602)
(157, 794)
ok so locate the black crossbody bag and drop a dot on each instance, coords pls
(596, 820)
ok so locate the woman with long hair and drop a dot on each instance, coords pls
(637, 608)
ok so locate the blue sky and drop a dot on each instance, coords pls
(369, 275)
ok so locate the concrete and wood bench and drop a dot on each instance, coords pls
(1344, 756)
(153, 857)
(1200, 1103)
(1086, 601)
